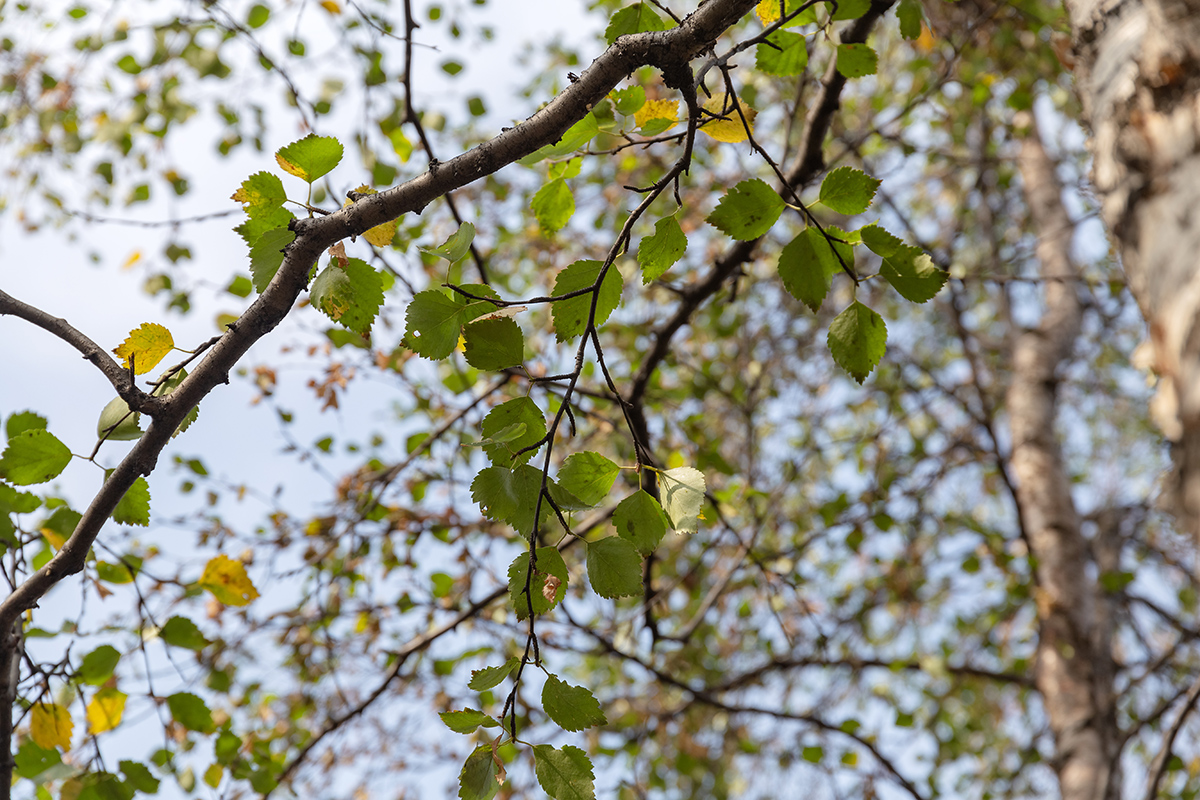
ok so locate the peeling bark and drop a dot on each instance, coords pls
(1074, 664)
(1138, 77)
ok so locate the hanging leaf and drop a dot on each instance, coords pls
(588, 476)
(637, 18)
(857, 340)
(190, 712)
(550, 564)
(104, 710)
(50, 726)
(614, 567)
(311, 157)
(349, 294)
(658, 253)
(784, 54)
(456, 246)
(146, 345)
(564, 774)
(847, 190)
(571, 315)
(467, 720)
(856, 60)
(491, 677)
(521, 410)
(682, 490)
(182, 632)
(117, 423)
(573, 708)
(477, 781)
(553, 206)
(493, 344)
(33, 456)
(226, 579)
(641, 520)
(748, 210)
(728, 127)
(912, 273)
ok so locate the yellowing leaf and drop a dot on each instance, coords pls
(768, 11)
(105, 710)
(926, 41)
(731, 128)
(50, 726)
(656, 109)
(331, 7)
(226, 579)
(381, 235)
(134, 258)
(146, 346)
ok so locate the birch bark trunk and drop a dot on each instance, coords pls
(1138, 77)
(1073, 672)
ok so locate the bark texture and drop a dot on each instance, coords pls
(1074, 661)
(1138, 77)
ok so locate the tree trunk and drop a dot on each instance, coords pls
(1138, 76)
(1073, 671)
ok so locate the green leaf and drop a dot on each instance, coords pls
(467, 720)
(311, 157)
(850, 9)
(857, 340)
(572, 707)
(748, 210)
(32, 760)
(134, 506)
(804, 274)
(258, 16)
(434, 324)
(575, 137)
(564, 774)
(182, 632)
(641, 520)
(266, 255)
(491, 677)
(456, 246)
(637, 18)
(614, 567)
(629, 100)
(349, 295)
(880, 242)
(589, 476)
(23, 421)
(494, 344)
(682, 490)
(510, 495)
(788, 56)
(658, 253)
(124, 423)
(571, 315)
(553, 205)
(138, 776)
(912, 273)
(253, 228)
(261, 194)
(190, 711)
(848, 191)
(477, 781)
(522, 409)
(33, 456)
(909, 14)
(549, 563)
(856, 60)
(98, 665)
(508, 434)
(113, 573)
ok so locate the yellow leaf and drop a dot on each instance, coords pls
(228, 582)
(656, 109)
(50, 726)
(731, 128)
(134, 258)
(105, 710)
(926, 41)
(56, 539)
(768, 11)
(147, 346)
(331, 7)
